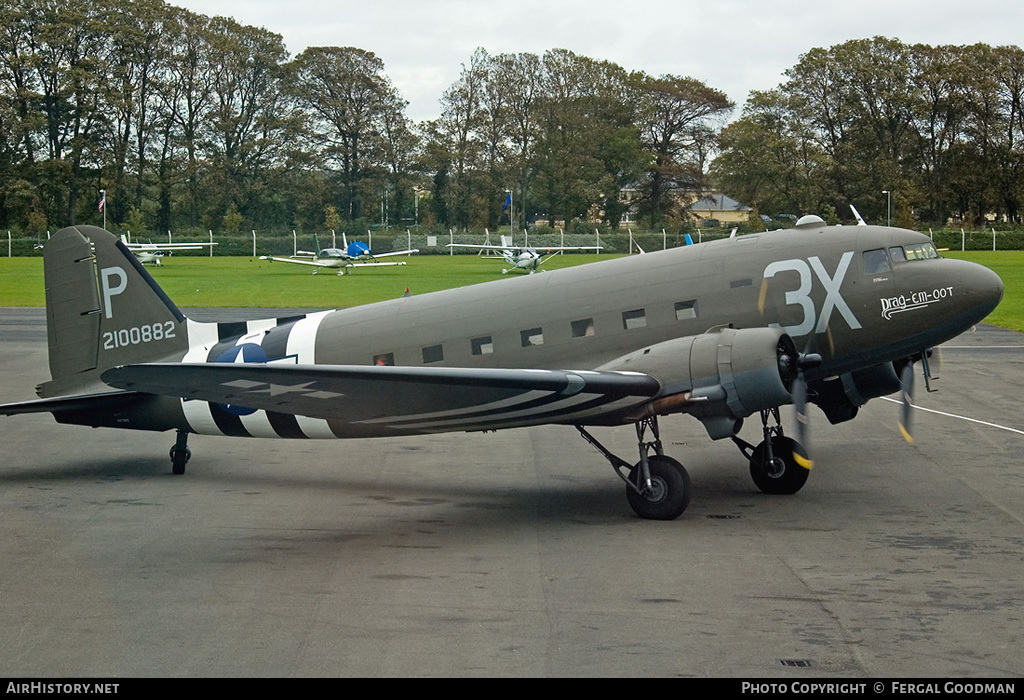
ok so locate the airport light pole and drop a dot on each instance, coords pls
(888, 207)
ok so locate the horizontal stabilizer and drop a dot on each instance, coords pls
(90, 402)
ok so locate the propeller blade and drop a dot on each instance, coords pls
(803, 423)
(907, 394)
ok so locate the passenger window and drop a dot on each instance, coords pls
(686, 309)
(533, 336)
(482, 345)
(434, 353)
(583, 327)
(636, 318)
(875, 261)
(386, 359)
(897, 254)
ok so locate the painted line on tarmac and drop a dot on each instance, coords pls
(953, 415)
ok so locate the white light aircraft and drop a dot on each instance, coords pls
(155, 252)
(520, 257)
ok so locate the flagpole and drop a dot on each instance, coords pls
(103, 207)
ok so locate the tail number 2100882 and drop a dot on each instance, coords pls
(139, 334)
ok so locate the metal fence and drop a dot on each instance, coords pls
(256, 243)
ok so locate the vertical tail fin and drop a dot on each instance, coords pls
(102, 310)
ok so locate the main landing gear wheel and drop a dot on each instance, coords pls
(781, 474)
(657, 487)
(669, 493)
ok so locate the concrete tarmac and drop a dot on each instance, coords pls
(515, 553)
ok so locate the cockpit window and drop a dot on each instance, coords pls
(896, 253)
(875, 261)
(921, 251)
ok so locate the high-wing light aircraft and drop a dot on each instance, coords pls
(355, 254)
(522, 258)
(725, 330)
(155, 252)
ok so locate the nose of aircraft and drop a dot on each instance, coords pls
(984, 287)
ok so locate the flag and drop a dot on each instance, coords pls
(508, 201)
(103, 200)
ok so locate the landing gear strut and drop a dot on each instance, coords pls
(180, 454)
(657, 487)
(772, 464)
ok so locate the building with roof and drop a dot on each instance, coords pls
(721, 208)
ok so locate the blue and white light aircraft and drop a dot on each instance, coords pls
(355, 254)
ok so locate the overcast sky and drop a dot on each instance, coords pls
(732, 45)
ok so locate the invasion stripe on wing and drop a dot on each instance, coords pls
(526, 397)
(577, 407)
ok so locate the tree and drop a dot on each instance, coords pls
(939, 78)
(519, 77)
(250, 127)
(136, 49)
(575, 119)
(458, 145)
(67, 41)
(768, 161)
(674, 114)
(350, 102)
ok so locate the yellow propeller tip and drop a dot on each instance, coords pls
(906, 435)
(804, 462)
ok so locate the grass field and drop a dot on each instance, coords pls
(1009, 265)
(246, 282)
(249, 282)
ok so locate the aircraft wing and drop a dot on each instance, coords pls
(482, 246)
(327, 262)
(375, 264)
(569, 247)
(147, 247)
(397, 252)
(383, 400)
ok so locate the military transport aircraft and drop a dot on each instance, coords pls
(355, 254)
(522, 258)
(728, 329)
(155, 252)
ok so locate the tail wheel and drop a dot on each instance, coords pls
(179, 458)
(781, 474)
(670, 490)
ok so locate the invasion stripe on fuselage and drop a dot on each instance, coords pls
(289, 337)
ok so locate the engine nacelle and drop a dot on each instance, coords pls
(840, 397)
(720, 377)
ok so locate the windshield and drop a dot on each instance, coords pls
(920, 251)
